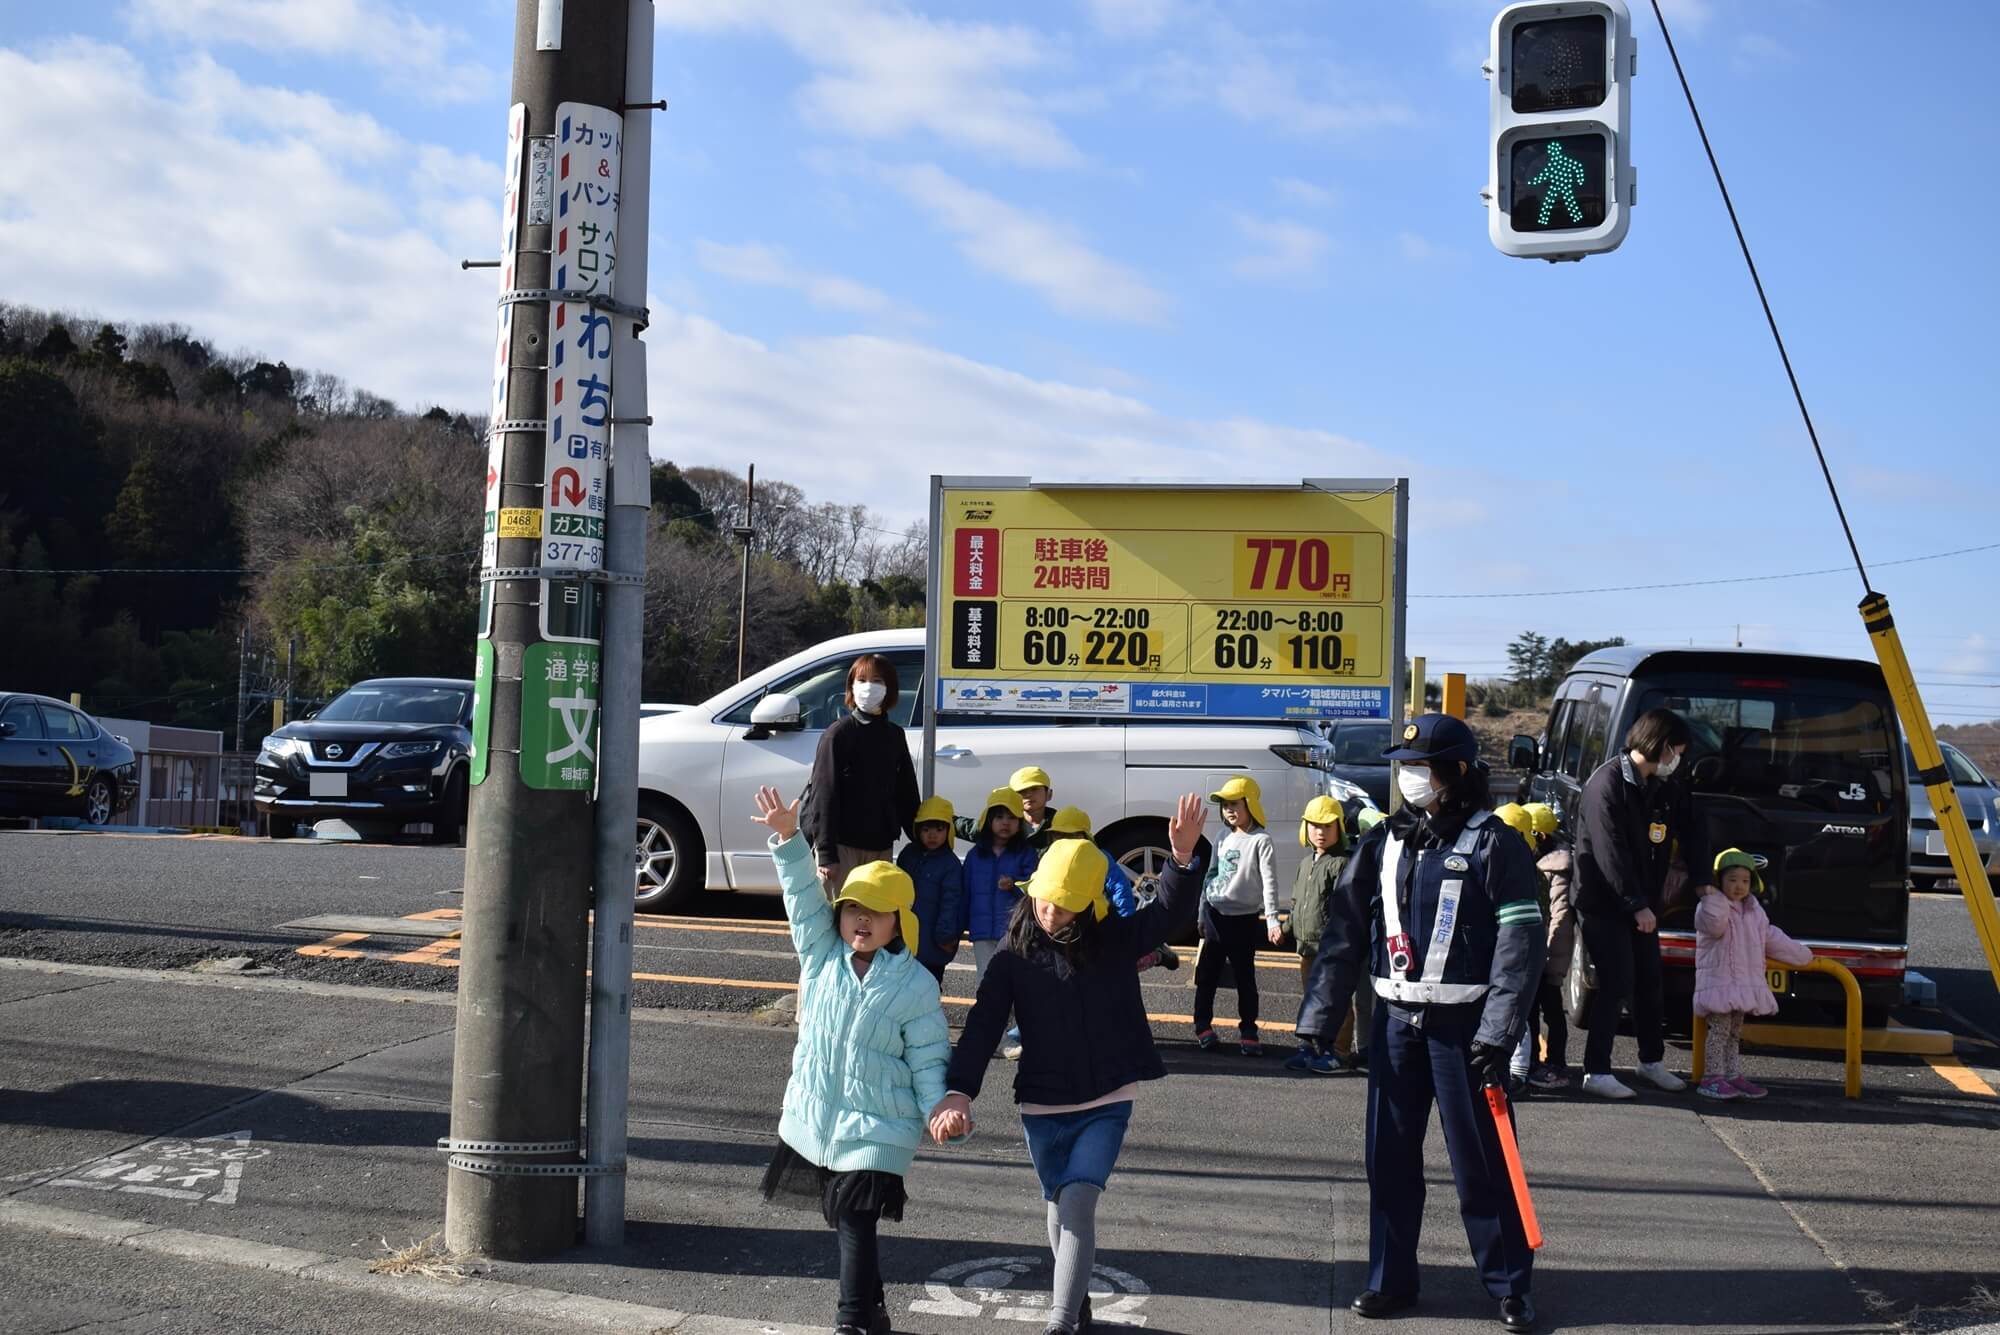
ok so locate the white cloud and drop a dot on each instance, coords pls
(1758, 54)
(1414, 247)
(1284, 249)
(883, 73)
(1692, 15)
(770, 266)
(419, 56)
(1267, 84)
(1973, 657)
(1133, 18)
(1304, 192)
(263, 219)
(1025, 248)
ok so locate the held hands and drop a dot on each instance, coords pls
(1184, 830)
(772, 813)
(1644, 920)
(951, 1118)
(1276, 933)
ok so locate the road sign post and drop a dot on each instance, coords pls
(1560, 183)
(517, 1062)
(1261, 601)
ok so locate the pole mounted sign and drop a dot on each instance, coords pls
(588, 142)
(1266, 601)
(1560, 183)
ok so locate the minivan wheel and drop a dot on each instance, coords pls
(670, 864)
(1577, 989)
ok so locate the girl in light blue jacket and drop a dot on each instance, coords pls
(868, 1068)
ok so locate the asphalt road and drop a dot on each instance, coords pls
(1240, 1203)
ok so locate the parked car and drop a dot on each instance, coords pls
(1358, 744)
(1793, 762)
(59, 761)
(393, 750)
(1978, 797)
(698, 768)
(654, 711)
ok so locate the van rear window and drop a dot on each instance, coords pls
(1807, 746)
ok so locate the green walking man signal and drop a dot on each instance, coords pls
(1563, 175)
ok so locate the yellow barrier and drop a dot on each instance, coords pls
(1853, 1036)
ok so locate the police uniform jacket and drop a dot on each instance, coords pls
(1467, 895)
(1626, 831)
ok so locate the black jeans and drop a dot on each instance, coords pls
(1232, 939)
(860, 1267)
(1628, 969)
(1554, 1020)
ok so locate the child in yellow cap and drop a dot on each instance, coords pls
(1242, 886)
(868, 1067)
(933, 867)
(1323, 832)
(995, 870)
(1066, 974)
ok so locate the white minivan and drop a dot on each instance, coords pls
(699, 766)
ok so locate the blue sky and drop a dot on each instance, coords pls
(1133, 238)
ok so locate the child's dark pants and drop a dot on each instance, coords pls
(860, 1266)
(1230, 939)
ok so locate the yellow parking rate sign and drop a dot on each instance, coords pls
(1259, 601)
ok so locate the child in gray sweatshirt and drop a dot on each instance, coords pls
(1242, 886)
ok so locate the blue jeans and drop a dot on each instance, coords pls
(1076, 1147)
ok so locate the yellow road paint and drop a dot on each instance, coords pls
(333, 947)
(1961, 1077)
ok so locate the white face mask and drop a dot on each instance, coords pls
(1416, 786)
(1669, 765)
(869, 695)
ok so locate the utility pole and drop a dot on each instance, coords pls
(517, 1063)
(242, 678)
(609, 1085)
(746, 532)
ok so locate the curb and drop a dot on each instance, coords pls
(472, 1295)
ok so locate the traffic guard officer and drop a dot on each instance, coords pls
(1439, 904)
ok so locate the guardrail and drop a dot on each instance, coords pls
(1853, 1024)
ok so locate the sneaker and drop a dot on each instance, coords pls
(1657, 1074)
(1356, 1060)
(1204, 1039)
(1715, 1087)
(1170, 960)
(1250, 1047)
(879, 1320)
(1327, 1063)
(1302, 1058)
(1549, 1077)
(1747, 1087)
(1011, 1049)
(1607, 1086)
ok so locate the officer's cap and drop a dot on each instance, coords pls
(1434, 737)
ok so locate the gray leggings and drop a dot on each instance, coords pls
(1073, 1239)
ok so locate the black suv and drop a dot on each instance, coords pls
(57, 761)
(392, 751)
(1796, 760)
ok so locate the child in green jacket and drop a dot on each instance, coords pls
(1323, 832)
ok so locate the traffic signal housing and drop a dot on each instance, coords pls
(1560, 183)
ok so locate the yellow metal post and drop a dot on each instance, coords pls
(1415, 704)
(1851, 1030)
(1931, 772)
(76, 698)
(1454, 694)
(277, 715)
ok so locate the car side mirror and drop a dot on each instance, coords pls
(775, 713)
(6, 730)
(1522, 753)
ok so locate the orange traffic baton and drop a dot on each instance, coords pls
(1496, 1099)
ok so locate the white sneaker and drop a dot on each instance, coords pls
(1657, 1074)
(1607, 1087)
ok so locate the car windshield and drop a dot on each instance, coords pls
(1360, 745)
(1964, 773)
(1805, 745)
(396, 704)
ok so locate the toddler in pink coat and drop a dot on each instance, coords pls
(1732, 938)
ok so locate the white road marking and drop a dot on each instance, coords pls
(209, 1169)
(970, 1288)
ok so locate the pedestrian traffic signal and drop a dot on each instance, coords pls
(1559, 171)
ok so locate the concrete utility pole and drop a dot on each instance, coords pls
(610, 1080)
(517, 1066)
(746, 533)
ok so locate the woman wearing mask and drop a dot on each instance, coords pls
(863, 785)
(1631, 816)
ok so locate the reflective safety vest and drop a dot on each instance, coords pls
(1449, 917)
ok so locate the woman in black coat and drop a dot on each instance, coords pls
(864, 786)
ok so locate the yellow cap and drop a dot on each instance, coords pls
(1003, 797)
(883, 887)
(1516, 818)
(1322, 811)
(1030, 776)
(1243, 789)
(1070, 820)
(1544, 817)
(1071, 876)
(934, 808)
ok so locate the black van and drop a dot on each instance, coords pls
(1795, 760)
